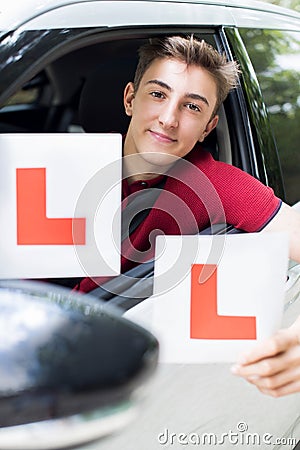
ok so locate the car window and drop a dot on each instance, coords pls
(24, 96)
(68, 95)
(275, 56)
(33, 91)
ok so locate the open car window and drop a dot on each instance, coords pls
(82, 91)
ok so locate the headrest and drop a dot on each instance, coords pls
(101, 107)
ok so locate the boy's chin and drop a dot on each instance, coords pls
(159, 159)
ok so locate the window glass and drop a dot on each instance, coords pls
(30, 92)
(275, 56)
(24, 97)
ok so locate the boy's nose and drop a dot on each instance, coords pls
(169, 116)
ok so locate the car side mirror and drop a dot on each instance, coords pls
(69, 367)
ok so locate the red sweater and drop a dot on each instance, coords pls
(198, 191)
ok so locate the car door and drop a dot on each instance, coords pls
(59, 52)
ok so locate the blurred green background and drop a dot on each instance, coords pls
(294, 4)
(276, 59)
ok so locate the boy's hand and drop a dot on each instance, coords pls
(274, 365)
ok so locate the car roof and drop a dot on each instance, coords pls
(14, 15)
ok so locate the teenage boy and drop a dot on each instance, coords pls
(173, 102)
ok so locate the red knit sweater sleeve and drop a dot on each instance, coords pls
(248, 204)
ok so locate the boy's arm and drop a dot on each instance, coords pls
(274, 365)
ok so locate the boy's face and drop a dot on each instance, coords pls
(171, 110)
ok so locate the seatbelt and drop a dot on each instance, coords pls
(138, 208)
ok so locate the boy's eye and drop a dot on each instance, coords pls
(157, 94)
(193, 107)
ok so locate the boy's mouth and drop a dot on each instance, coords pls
(161, 137)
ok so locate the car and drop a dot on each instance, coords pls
(64, 65)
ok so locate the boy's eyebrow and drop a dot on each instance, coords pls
(199, 97)
(160, 83)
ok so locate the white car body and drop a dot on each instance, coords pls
(196, 398)
(38, 14)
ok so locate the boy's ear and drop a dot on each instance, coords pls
(128, 98)
(209, 127)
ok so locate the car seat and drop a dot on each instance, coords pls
(101, 102)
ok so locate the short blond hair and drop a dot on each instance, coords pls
(192, 52)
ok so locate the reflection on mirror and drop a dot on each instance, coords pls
(69, 367)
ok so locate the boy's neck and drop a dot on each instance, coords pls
(137, 168)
